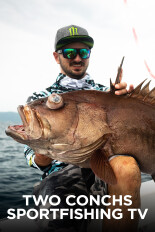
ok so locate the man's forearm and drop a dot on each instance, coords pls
(128, 183)
(36, 160)
(42, 160)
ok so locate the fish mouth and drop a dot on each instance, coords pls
(25, 131)
(18, 131)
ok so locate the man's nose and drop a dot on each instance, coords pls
(77, 58)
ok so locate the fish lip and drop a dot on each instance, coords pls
(22, 115)
(26, 123)
(17, 134)
(23, 132)
(18, 131)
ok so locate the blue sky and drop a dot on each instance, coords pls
(27, 40)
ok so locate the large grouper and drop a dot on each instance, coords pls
(88, 127)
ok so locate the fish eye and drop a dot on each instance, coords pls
(55, 98)
(54, 101)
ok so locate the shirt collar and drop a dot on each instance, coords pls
(70, 83)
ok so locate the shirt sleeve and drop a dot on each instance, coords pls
(101, 87)
(29, 155)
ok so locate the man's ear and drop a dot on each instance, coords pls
(56, 56)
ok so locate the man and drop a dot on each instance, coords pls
(72, 51)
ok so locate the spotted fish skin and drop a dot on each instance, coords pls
(87, 127)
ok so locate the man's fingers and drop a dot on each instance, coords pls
(121, 85)
(121, 88)
(131, 88)
(121, 92)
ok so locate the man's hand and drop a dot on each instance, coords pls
(122, 88)
(42, 160)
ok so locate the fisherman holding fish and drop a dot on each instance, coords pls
(72, 52)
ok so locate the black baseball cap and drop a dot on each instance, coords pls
(70, 34)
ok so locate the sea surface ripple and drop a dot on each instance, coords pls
(16, 177)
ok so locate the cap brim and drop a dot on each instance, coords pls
(70, 39)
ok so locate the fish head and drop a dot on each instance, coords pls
(61, 126)
(44, 119)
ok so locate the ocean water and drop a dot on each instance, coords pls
(16, 177)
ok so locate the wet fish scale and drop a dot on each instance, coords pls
(87, 127)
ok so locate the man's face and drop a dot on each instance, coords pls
(74, 68)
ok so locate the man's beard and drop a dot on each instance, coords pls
(70, 73)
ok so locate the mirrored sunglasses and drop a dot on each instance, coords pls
(71, 53)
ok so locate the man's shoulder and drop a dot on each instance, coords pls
(38, 95)
(54, 88)
(100, 87)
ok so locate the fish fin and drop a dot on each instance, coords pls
(145, 90)
(101, 167)
(144, 94)
(112, 87)
(152, 93)
(150, 96)
(153, 101)
(117, 81)
(136, 91)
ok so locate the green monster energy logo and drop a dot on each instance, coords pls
(73, 31)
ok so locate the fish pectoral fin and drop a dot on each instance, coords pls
(101, 167)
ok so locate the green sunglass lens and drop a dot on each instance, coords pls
(84, 53)
(70, 53)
